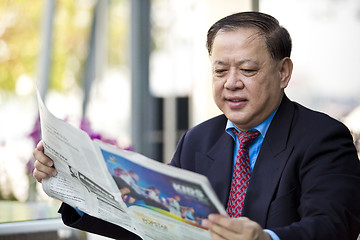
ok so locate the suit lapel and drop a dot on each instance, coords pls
(217, 164)
(269, 166)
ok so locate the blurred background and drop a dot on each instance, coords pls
(136, 73)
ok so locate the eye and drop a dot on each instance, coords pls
(220, 72)
(248, 71)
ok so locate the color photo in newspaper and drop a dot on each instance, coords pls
(161, 188)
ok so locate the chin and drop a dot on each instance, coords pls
(238, 119)
(238, 122)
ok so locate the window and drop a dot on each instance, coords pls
(22, 33)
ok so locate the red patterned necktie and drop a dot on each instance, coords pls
(241, 173)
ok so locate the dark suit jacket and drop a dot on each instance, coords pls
(305, 183)
(306, 180)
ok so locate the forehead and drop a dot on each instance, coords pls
(242, 44)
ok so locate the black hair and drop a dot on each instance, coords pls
(277, 38)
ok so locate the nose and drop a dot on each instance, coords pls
(233, 81)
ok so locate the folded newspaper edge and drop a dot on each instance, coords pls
(144, 196)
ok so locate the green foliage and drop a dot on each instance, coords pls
(118, 32)
(19, 42)
(20, 39)
(72, 25)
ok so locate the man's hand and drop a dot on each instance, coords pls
(43, 164)
(222, 227)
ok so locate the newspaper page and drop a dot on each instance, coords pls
(83, 180)
(146, 197)
(165, 202)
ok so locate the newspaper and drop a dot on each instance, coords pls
(146, 197)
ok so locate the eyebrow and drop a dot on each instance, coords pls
(219, 62)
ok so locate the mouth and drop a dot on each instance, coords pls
(236, 102)
(235, 99)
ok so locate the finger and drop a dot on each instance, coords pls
(220, 232)
(226, 221)
(40, 145)
(223, 227)
(41, 157)
(209, 225)
(43, 171)
(39, 176)
(215, 236)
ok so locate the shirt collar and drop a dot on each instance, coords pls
(262, 127)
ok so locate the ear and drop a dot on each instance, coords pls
(285, 71)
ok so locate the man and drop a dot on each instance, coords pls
(305, 174)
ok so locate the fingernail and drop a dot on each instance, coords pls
(39, 145)
(205, 223)
(50, 164)
(54, 173)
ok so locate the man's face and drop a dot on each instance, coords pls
(247, 83)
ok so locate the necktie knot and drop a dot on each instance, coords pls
(245, 138)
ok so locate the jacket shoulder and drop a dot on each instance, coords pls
(211, 128)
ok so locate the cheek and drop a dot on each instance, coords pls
(216, 89)
(217, 93)
(265, 95)
(262, 87)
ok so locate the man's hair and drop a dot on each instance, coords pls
(277, 38)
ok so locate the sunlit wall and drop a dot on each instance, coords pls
(326, 51)
(326, 55)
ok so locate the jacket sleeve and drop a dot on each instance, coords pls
(93, 225)
(329, 178)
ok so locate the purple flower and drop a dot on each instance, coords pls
(85, 125)
(36, 131)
